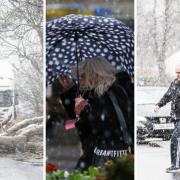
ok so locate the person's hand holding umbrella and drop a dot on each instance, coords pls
(80, 104)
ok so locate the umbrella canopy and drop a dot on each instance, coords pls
(75, 38)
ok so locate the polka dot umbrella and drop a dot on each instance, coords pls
(75, 38)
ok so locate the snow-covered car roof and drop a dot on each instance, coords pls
(147, 97)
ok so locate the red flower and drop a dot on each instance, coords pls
(50, 167)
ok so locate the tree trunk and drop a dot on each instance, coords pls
(161, 69)
(31, 130)
(25, 136)
(160, 46)
(12, 131)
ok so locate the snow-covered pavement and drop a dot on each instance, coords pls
(17, 170)
(151, 162)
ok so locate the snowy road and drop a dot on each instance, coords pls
(16, 170)
(152, 162)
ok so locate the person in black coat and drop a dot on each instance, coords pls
(104, 111)
(173, 95)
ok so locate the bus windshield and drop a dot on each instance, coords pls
(5, 98)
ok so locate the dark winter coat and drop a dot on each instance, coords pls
(173, 95)
(98, 127)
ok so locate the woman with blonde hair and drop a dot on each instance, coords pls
(104, 111)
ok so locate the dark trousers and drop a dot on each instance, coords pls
(175, 145)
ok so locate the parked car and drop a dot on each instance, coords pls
(150, 124)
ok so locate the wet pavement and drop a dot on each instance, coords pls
(151, 162)
(18, 170)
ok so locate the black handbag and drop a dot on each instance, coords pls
(121, 119)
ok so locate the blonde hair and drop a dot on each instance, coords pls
(97, 73)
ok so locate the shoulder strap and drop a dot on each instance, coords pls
(121, 119)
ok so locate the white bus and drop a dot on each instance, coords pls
(8, 97)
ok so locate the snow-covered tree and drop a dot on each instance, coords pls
(21, 38)
(158, 36)
(21, 44)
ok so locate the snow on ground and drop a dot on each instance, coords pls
(151, 162)
(18, 170)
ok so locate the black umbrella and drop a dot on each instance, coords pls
(75, 38)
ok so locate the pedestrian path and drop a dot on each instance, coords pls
(17, 170)
(152, 162)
